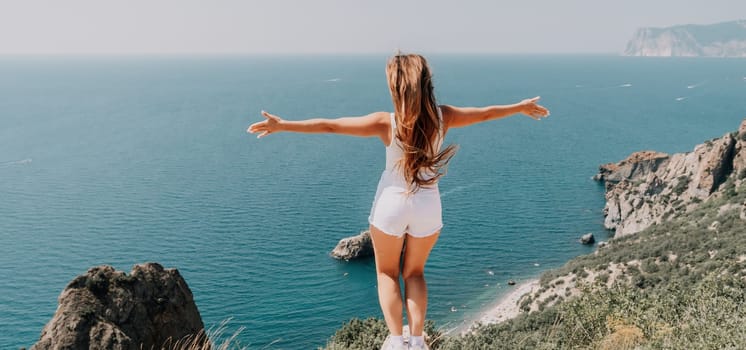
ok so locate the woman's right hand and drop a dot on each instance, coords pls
(531, 108)
(265, 127)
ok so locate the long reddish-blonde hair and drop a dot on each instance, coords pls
(418, 127)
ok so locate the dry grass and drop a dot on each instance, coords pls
(206, 340)
(623, 336)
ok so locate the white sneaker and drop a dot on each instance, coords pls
(418, 347)
(389, 344)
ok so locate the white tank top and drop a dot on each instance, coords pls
(395, 152)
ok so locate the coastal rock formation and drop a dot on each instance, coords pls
(649, 187)
(355, 247)
(108, 309)
(726, 39)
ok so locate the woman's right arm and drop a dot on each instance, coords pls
(458, 117)
(374, 124)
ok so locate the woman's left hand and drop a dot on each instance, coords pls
(531, 108)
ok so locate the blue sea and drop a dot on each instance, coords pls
(124, 160)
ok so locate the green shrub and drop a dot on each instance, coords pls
(681, 185)
(359, 334)
(370, 333)
(525, 303)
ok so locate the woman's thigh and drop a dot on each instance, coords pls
(387, 250)
(416, 253)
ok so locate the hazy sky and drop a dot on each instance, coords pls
(340, 26)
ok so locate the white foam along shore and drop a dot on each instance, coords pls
(505, 308)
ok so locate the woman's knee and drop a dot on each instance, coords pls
(408, 274)
(392, 273)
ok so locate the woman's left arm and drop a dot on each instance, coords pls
(458, 117)
(373, 124)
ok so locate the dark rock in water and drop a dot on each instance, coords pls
(511, 283)
(587, 239)
(152, 307)
(355, 247)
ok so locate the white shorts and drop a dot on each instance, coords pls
(395, 212)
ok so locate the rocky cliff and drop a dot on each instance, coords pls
(726, 39)
(650, 187)
(152, 307)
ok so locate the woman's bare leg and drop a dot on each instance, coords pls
(387, 251)
(415, 288)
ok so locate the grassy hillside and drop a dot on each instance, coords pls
(677, 285)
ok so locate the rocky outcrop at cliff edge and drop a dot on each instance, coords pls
(355, 247)
(151, 307)
(650, 187)
(726, 39)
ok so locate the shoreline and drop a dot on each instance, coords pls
(504, 308)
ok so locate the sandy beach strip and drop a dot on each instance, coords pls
(504, 309)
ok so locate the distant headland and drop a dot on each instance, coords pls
(727, 39)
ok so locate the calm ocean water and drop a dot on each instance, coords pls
(125, 160)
